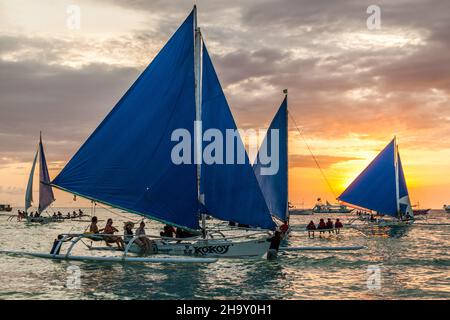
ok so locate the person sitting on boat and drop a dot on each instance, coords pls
(284, 228)
(329, 225)
(68, 215)
(168, 232)
(59, 215)
(272, 253)
(93, 229)
(407, 216)
(80, 213)
(232, 224)
(128, 231)
(338, 226)
(128, 236)
(144, 240)
(372, 218)
(74, 214)
(322, 226)
(109, 229)
(311, 227)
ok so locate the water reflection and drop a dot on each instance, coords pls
(414, 263)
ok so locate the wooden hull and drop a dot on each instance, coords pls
(42, 220)
(420, 212)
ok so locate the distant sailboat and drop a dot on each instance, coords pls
(46, 196)
(126, 162)
(275, 186)
(381, 187)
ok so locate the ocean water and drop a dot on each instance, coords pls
(399, 263)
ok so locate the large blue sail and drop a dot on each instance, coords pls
(274, 186)
(46, 196)
(375, 187)
(126, 162)
(231, 191)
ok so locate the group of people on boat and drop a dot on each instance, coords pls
(324, 226)
(34, 216)
(107, 234)
(69, 215)
(56, 215)
(370, 217)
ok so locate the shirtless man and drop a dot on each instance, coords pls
(109, 230)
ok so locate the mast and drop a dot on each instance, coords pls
(285, 91)
(397, 186)
(198, 111)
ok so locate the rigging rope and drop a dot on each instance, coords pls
(122, 216)
(312, 154)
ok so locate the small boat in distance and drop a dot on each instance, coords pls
(447, 208)
(419, 211)
(45, 190)
(322, 208)
(330, 208)
(5, 208)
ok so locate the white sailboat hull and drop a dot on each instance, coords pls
(216, 248)
(209, 248)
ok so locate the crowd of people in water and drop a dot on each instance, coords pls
(56, 215)
(323, 227)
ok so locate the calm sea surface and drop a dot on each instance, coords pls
(413, 262)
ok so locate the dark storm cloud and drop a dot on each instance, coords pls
(65, 103)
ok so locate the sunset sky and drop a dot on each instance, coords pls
(351, 89)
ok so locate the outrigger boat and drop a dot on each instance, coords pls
(381, 188)
(128, 161)
(46, 196)
(418, 211)
(5, 208)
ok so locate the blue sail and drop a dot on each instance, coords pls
(375, 187)
(274, 186)
(46, 196)
(231, 191)
(126, 162)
